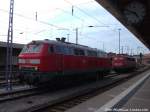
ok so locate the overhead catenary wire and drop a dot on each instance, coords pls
(75, 5)
(67, 12)
(84, 12)
(90, 38)
(52, 25)
(43, 22)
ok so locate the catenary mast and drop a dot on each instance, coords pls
(9, 47)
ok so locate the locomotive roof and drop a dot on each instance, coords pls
(67, 44)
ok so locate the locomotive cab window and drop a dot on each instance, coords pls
(32, 48)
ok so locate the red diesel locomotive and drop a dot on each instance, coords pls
(123, 63)
(45, 60)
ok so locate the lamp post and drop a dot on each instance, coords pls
(76, 35)
(119, 38)
(103, 47)
(68, 37)
(122, 48)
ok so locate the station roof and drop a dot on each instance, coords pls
(15, 45)
(133, 14)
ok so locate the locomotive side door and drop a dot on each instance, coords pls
(59, 58)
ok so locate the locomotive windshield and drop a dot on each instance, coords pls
(32, 48)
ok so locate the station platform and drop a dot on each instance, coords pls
(140, 101)
(131, 96)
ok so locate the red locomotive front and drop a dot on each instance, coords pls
(30, 57)
(34, 60)
(123, 63)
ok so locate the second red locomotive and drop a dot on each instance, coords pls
(123, 63)
(46, 60)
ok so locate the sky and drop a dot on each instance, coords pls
(60, 18)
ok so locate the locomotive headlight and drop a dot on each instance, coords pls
(35, 61)
(36, 68)
(21, 60)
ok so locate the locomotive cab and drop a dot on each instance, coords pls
(123, 63)
(32, 61)
(30, 57)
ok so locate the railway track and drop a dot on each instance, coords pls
(68, 103)
(13, 82)
(13, 95)
(57, 101)
(14, 79)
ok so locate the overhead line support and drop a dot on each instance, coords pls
(8, 72)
